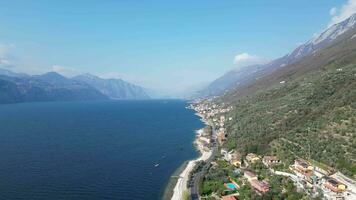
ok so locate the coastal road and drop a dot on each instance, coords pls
(195, 180)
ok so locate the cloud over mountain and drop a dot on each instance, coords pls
(343, 12)
(246, 59)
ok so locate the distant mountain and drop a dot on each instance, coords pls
(47, 87)
(51, 86)
(11, 74)
(114, 88)
(235, 78)
(230, 80)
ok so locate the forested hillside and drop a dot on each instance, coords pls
(307, 109)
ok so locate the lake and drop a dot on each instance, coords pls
(93, 150)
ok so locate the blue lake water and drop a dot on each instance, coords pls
(93, 150)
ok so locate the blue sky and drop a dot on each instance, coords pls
(164, 45)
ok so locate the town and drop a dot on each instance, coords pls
(231, 175)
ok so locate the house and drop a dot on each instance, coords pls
(250, 175)
(236, 162)
(303, 166)
(222, 136)
(236, 159)
(228, 198)
(252, 158)
(223, 152)
(270, 160)
(260, 186)
(334, 185)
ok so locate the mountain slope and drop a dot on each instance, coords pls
(305, 109)
(240, 77)
(114, 88)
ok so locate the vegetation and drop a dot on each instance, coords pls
(214, 180)
(313, 117)
(306, 109)
(185, 195)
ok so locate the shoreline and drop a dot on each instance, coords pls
(181, 181)
(167, 192)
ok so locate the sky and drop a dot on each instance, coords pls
(168, 46)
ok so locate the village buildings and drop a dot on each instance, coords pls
(269, 161)
(260, 186)
(334, 185)
(252, 158)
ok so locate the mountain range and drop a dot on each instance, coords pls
(240, 77)
(20, 87)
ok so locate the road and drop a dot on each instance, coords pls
(196, 178)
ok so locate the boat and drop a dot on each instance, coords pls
(156, 165)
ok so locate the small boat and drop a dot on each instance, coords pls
(156, 165)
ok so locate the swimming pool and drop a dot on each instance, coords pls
(231, 186)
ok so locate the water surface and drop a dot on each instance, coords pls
(93, 150)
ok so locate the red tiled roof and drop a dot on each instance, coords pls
(228, 198)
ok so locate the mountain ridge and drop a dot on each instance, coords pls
(234, 78)
(311, 101)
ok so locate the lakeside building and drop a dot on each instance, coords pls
(269, 161)
(260, 186)
(250, 175)
(252, 158)
(232, 157)
(303, 167)
(334, 185)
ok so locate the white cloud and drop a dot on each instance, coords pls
(245, 59)
(342, 13)
(66, 71)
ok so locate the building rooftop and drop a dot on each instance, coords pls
(270, 158)
(228, 198)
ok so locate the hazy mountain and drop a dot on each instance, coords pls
(114, 88)
(242, 76)
(47, 87)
